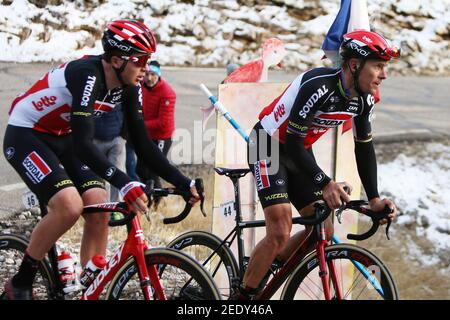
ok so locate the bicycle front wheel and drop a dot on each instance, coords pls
(215, 256)
(12, 249)
(181, 277)
(360, 275)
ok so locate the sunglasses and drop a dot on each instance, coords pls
(393, 52)
(390, 52)
(139, 61)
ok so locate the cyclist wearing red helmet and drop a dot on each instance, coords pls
(315, 101)
(49, 136)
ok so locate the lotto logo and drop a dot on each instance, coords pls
(36, 167)
(279, 112)
(44, 101)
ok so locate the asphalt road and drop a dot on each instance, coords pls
(411, 107)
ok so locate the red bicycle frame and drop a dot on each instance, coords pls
(134, 246)
(320, 242)
(320, 249)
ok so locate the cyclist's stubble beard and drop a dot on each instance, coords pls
(132, 74)
(370, 77)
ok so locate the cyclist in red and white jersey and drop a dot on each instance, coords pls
(49, 136)
(280, 154)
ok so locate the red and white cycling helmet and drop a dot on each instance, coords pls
(129, 37)
(363, 44)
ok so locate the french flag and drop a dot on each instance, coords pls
(352, 15)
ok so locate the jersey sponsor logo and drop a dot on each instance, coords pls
(352, 108)
(312, 100)
(262, 180)
(98, 113)
(44, 102)
(279, 112)
(334, 99)
(318, 130)
(319, 177)
(283, 195)
(297, 126)
(110, 172)
(84, 114)
(280, 182)
(63, 183)
(88, 90)
(370, 100)
(92, 183)
(9, 152)
(36, 167)
(116, 96)
(327, 122)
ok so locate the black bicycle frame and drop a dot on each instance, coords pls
(241, 225)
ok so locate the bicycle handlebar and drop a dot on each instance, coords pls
(186, 196)
(358, 205)
(322, 211)
(122, 207)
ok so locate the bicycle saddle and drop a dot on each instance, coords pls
(231, 172)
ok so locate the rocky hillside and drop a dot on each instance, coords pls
(211, 33)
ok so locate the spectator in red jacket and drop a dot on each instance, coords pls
(158, 107)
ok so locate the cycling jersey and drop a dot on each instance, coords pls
(48, 104)
(312, 104)
(65, 100)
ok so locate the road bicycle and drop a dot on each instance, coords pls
(337, 271)
(135, 271)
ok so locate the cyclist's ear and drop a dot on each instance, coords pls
(116, 61)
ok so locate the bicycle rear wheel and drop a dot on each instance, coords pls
(12, 249)
(182, 278)
(215, 257)
(374, 282)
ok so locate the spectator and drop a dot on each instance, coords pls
(108, 139)
(231, 67)
(130, 162)
(158, 107)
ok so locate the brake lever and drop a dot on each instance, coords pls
(386, 212)
(343, 206)
(339, 213)
(201, 191)
(150, 184)
(387, 229)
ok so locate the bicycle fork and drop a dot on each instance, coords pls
(323, 271)
(148, 274)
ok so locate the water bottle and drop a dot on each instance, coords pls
(67, 273)
(92, 269)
